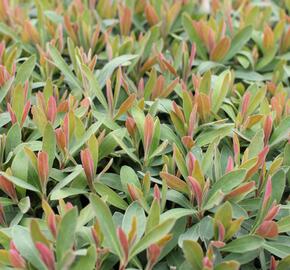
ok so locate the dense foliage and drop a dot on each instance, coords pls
(144, 134)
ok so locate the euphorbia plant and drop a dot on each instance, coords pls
(144, 135)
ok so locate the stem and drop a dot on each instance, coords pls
(122, 266)
(91, 187)
(149, 266)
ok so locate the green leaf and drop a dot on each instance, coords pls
(95, 88)
(214, 200)
(178, 198)
(109, 144)
(112, 180)
(207, 157)
(178, 229)
(66, 233)
(105, 220)
(218, 132)
(220, 90)
(257, 144)
(204, 66)
(177, 213)
(4, 257)
(17, 102)
(193, 254)
(5, 239)
(36, 233)
(180, 162)
(5, 89)
(229, 265)
(139, 118)
(243, 258)
(206, 228)
(128, 176)
(244, 244)
(19, 182)
(284, 224)
(279, 184)
(86, 136)
(224, 214)
(13, 138)
(65, 181)
(284, 264)
(24, 205)
(258, 95)
(228, 182)
(21, 166)
(250, 76)
(128, 151)
(239, 40)
(25, 246)
(66, 192)
(25, 70)
(152, 237)
(168, 134)
(266, 59)
(150, 84)
(134, 210)
(111, 196)
(280, 250)
(87, 261)
(175, 183)
(64, 68)
(109, 68)
(281, 132)
(6, 30)
(153, 216)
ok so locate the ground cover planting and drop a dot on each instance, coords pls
(144, 134)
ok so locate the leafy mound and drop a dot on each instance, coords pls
(144, 134)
